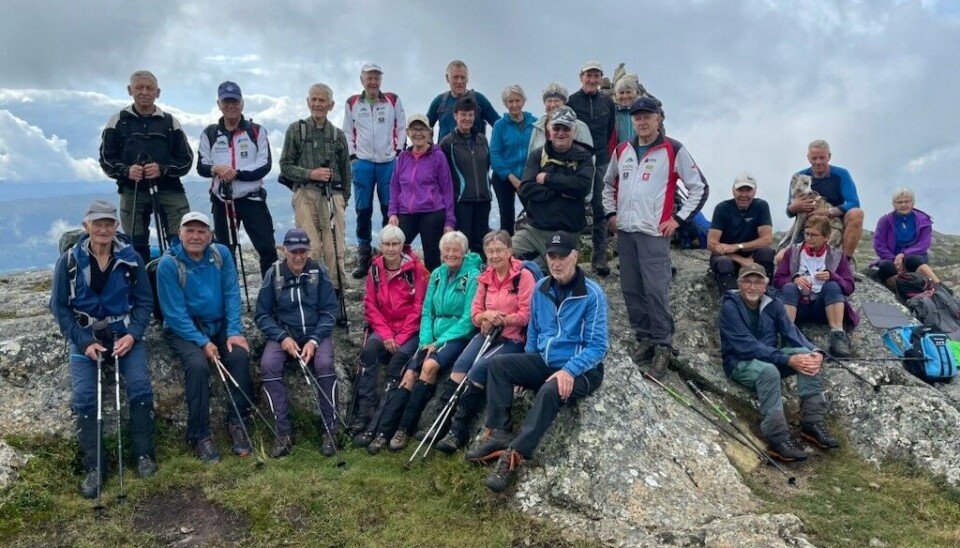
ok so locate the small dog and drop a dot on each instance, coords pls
(801, 186)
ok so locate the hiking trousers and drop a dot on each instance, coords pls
(83, 379)
(645, 281)
(271, 370)
(257, 222)
(311, 212)
(369, 177)
(172, 205)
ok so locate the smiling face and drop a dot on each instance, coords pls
(195, 237)
(452, 255)
(743, 196)
(101, 231)
(464, 119)
(145, 93)
(392, 251)
(419, 135)
(498, 255)
(819, 159)
(626, 96)
(457, 79)
(646, 124)
(903, 204)
(551, 104)
(752, 288)
(232, 110)
(590, 80)
(562, 268)
(371, 83)
(561, 137)
(514, 104)
(296, 259)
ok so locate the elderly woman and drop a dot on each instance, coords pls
(445, 330)
(468, 156)
(554, 97)
(508, 152)
(625, 91)
(902, 240)
(814, 280)
(102, 302)
(502, 300)
(421, 191)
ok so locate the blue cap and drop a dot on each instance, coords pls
(296, 238)
(646, 104)
(229, 90)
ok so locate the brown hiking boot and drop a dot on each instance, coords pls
(506, 467)
(661, 360)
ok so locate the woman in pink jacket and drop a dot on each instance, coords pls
(503, 297)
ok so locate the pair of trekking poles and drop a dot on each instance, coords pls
(98, 503)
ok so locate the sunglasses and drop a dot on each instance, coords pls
(295, 241)
(560, 129)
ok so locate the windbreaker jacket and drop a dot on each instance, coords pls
(306, 308)
(377, 132)
(510, 296)
(422, 185)
(835, 262)
(641, 191)
(250, 158)
(126, 296)
(210, 296)
(558, 203)
(393, 304)
(885, 238)
(469, 166)
(130, 138)
(738, 342)
(509, 145)
(446, 307)
(570, 334)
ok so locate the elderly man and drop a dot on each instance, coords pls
(316, 159)
(296, 310)
(566, 343)
(639, 199)
(740, 234)
(750, 323)
(200, 299)
(598, 111)
(557, 178)
(441, 109)
(235, 154)
(375, 125)
(837, 187)
(144, 148)
(101, 301)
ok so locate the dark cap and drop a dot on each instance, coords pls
(645, 104)
(100, 209)
(229, 90)
(561, 243)
(753, 270)
(296, 238)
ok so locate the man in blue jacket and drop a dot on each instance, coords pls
(566, 343)
(296, 310)
(101, 300)
(200, 299)
(750, 322)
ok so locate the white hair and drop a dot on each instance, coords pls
(455, 237)
(904, 191)
(512, 89)
(392, 233)
(322, 89)
(819, 143)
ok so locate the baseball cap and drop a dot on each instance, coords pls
(561, 243)
(647, 104)
(195, 217)
(229, 90)
(100, 209)
(591, 65)
(296, 238)
(752, 270)
(565, 116)
(371, 67)
(417, 118)
(744, 180)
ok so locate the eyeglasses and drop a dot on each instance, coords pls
(419, 130)
(560, 129)
(902, 202)
(755, 282)
(296, 241)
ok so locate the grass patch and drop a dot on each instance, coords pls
(42, 286)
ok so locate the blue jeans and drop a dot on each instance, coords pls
(367, 177)
(812, 308)
(83, 379)
(477, 372)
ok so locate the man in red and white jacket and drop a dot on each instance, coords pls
(638, 202)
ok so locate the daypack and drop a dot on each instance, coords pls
(67, 241)
(936, 306)
(692, 234)
(303, 138)
(534, 269)
(927, 350)
(278, 279)
(181, 275)
(911, 284)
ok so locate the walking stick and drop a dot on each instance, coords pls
(221, 369)
(871, 384)
(315, 389)
(325, 190)
(116, 379)
(98, 504)
(230, 212)
(356, 377)
(162, 242)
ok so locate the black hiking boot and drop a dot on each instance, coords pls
(142, 434)
(238, 441)
(377, 444)
(90, 484)
(488, 449)
(363, 439)
(364, 253)
(600, 266)
(787, 451)
(450, 444)
(146, 467)
(281, 446)
(817, 434)
(207, 451)
(87, 434)
(840, 344)
(661, 359)
(505, 468)
(329, 446)
(643, 352)
(342, 320)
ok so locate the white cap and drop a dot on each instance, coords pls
(744, 180)
(196, 217)
(591, 65)
(371, 67)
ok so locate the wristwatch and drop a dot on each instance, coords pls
(739, 247)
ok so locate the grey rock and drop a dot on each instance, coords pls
(10, 460)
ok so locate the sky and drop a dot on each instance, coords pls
(746, 84)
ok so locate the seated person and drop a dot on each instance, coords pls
(813, 279)
(740, 234)
(902, 240)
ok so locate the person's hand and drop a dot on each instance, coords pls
(226, 173)
(290, 347)
(612, 224)
(390, 345)
(394, 220)
(136, 173)
(541, 178)
(211, 352)
(668, 227)
(564, 383)
(806, 364)
(802, 204)
(309, 349)
(123, 345)
(822, 275)
(514, 181)
(237, 340)
(803, 283)
(898, 262)
(447, 229)
(322, 174)
(93, 350)
(430, 348)
(151, 170)
(485, 326)
(498, 319)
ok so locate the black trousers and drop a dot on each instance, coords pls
(429, 226)
(505, 202)
(256, 220)
(473, 219)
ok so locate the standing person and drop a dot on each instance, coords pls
(638, 197)
(316, 159)
(200, 299)
(566, 343)
(598, 112)
(102, 303)
(508, 152)
(555, 96)
(626, 91)
(142, 147)
(296, 310)
(750, 324)
(740, 234)
(441, 108)
(902, 240)
(374, 124)
(235, 153)
(468, 155)
(421, 192)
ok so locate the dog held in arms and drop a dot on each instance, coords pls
(800, 186)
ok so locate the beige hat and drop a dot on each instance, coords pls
(418, 118)
(196, 217)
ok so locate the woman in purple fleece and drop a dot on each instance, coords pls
(902, 240)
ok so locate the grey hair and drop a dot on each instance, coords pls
(513, 89)
(455, 237)
(819, 143)
(323, 89)
(625, 82)
(455, 64)
(904, 191)
(391, 233)
(556, 88)
(501, 236)
(143, 74)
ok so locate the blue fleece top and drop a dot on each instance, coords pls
(905, 229)
(441, 109)
(508, 145)
(837, 188)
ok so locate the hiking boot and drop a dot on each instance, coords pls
(422, 433)
(494, 441)
(839, 344)
(450, 444)
(89, 485)
(329, 447)
(281, 446)
(377, 444)
(600, 266)
(787, 451)
(661, 359)
(146, 468)
(643, 351)
(363, 261)
(399, 440)
(207, 451)
(363, 439)
(817, 434)
(238, 441)
(505, 468)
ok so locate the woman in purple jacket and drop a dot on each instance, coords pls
(421, 191)
(902, 240)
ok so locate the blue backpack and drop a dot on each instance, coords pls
(926, 352)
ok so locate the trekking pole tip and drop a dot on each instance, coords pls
(792, 481)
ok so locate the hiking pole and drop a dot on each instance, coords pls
(116, 382)
(325, 190)
(724, 416)
(98, 504)
(243, 424)
(871, 384)
(328, 399)
(230, 212)
(356, 377)
(315, 388)
(253, 406)
(162, 241)
(904, 359)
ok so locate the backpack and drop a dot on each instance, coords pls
(935, 306)
(303, 138)
(444, 105)
(278, 279)
(67, 241)
(408, 276)
(181, 275)
(927, 350)
(911, 284)
(692, 234)
(534, 269)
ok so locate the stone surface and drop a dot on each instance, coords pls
(10, 460)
